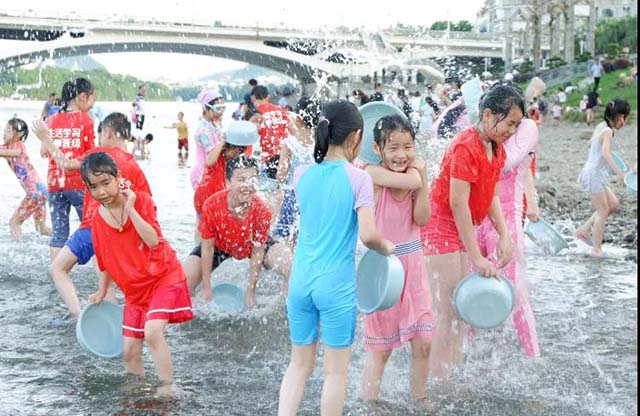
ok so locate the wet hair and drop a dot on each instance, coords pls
(388, 124)
(20, 126)
(98, 163)
(148, 138)
(337, 121)
(253, 82)
(447, 127)
(71, 89)
(616, 107)
(309, 111)
(118, 123)
(240, 162)
(229, 146)
(260, 92)
(501, 98)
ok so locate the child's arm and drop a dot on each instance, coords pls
(10, 153)
(533, 211)
(369, 234)
(146, 232)
(255, 265)
(206, 261)
(284, 163)
(212, 156)
(497, 218)
(421, 204)
(459, 203)
(606, 153)
(42, 132)
(410, 180)
(103, 285)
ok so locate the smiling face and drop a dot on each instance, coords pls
(398, 151)
(497, 129)
(103, 187)
(243, 184)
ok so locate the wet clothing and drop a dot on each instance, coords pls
(272, 130)
(323, 275)
(206, 137)
(213, 180)
(411, 317)
(594, 176)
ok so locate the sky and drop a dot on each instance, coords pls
(295, 14)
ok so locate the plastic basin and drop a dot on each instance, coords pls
(99, 329)
(545, 236)
(379, 282)
(371, 113)
(618, 159)
(242, 133)
(483, 302)
(229, 297)
(631, 183)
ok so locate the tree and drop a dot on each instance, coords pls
(622, 32)
(440, 25)
(463, 26)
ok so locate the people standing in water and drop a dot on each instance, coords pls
(72, 134)
(145, 268)
(594, 177)
(235, 223)
(272, 131)
(183, 135)
(35, 201)
(462, 195)
(322, 285)
(401, 192)
(207, 132)
(140, 107)
(516, 182)
(115, 131)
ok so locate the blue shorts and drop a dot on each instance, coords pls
(60, 203)
(327, 300)
(81, 245)
(287, 221)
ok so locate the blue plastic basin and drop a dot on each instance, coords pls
(229, 297)
(371, 113)
(545, 236)
(483, 302)
(631, 183)
(99, 329)
(618, 159)
(379, 282)
(242, 133)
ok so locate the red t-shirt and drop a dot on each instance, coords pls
(466, 159)
(272, 130)
(73, 134)
(213, 180)
(230, 234)
(137, 269)
(129, 170)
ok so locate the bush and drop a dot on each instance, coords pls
(621, 63)
(584, 57)
(608, 66)
(613, 50)
(526, 66)
(555, 61)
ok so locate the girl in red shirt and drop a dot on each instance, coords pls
(463, 194)
(129, 246)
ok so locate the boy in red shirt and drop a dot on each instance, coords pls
(235, 223)
(114, 131)
(130, 248)
(273, 129)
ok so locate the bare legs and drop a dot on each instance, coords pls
(605, 203)
(160, 353)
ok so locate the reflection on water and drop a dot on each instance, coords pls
(586, 314)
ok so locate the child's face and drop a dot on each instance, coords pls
(398, 151)
(103, 187)
(243, 184)
(10, 134)
(500, 131)
(180, 116)
(619, 122)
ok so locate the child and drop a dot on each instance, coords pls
(148, 138)
(114, 130)
(595, 179)
(336, 203)
(72, 134)
(463, 193)
(34, 203)
(208, 131)
(402, 207)
(516, 181)
(130, 248)
(295, 151)
(235, 223)
(183, 134)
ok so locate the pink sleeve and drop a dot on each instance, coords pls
(298, 174)
(362, 185)
(521, 144)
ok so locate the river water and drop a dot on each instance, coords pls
(586, 315)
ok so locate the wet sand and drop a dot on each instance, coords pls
(562, 151)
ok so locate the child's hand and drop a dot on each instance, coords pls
(533, 212)
(40, 128)
(207, 294)
(503, 251)
(250, 298)
(485, 267)
(97, 297)
(419, 164)
(388, 248)
(130, 199)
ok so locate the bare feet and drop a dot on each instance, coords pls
(15, 226)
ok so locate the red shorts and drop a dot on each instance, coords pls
(440, 235)
(184, 142)
(171, 303)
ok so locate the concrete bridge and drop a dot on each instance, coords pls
(303, 55)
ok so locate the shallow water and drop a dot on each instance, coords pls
(586, 321)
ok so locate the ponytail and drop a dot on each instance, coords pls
(321, 146)
(337, 121)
